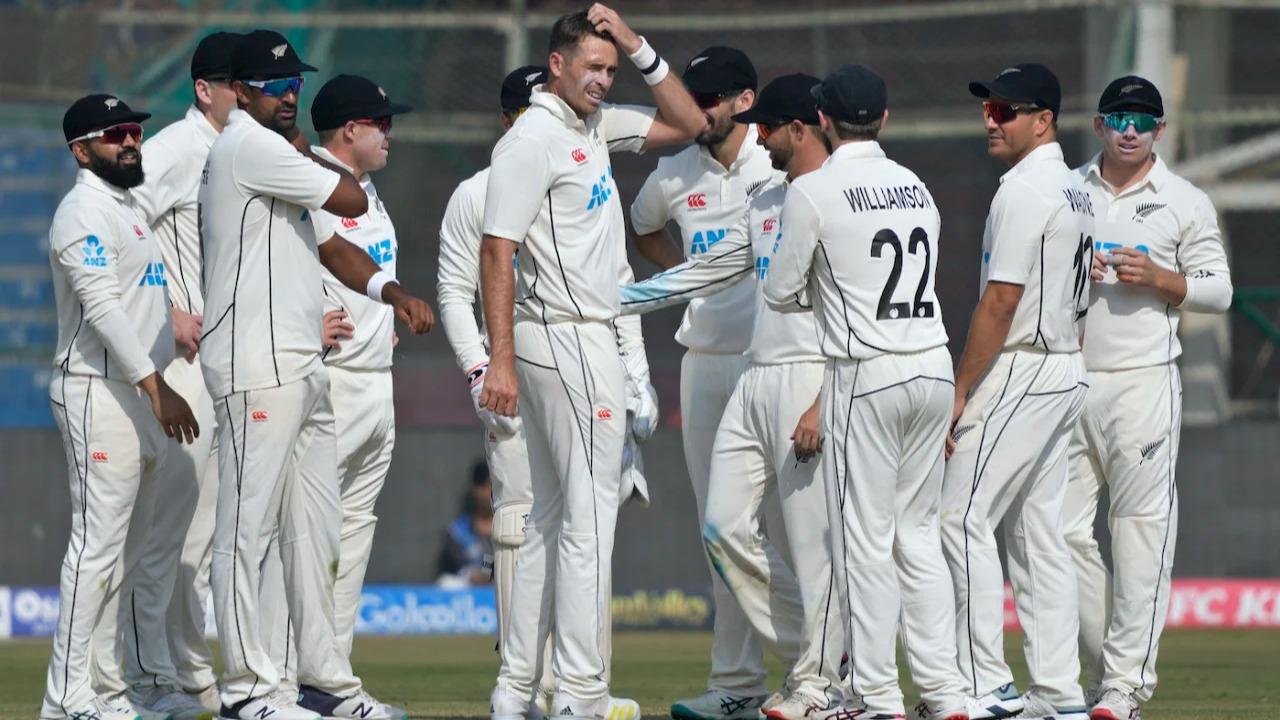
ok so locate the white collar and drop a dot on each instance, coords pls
(1045, 153)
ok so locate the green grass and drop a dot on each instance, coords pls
(1203, 673)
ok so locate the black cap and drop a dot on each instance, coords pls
(517, 86)
(784, 99)
(212, 58)
(853, 93)
(350, 97)
(1028, 82)
(267, 55)
(1131, 92)
(95, 112)
(720, 69)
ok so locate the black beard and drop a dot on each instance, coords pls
(113, 172)
(716, 134)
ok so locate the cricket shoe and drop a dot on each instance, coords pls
(361, 706)
(622, 709)
(853, 710)
(800, 706)
(106, 707)
(718, 705)
(504, 705)
(272, 706)
(1035, 708)
(172, 703)
(1002, 702)
(923, 712)
(1116, 705)
(208, 698)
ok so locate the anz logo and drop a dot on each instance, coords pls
(153, 275)
(382, 252)
(762, 267)
(704, 239)
(602, 190)
(94, 252)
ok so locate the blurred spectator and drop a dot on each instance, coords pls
(467, 557)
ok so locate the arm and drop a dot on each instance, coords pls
(1202, 283)
(458, 279)
(98, 291)
(786, 286)
(988, 330)
(679, 119)
(498, 294)
(728, 262)
(660, 248)
(267, 164)
(354, 268)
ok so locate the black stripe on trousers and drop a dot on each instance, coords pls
(1168, 516)
(842, 491)
(83, 478)
(239, 454)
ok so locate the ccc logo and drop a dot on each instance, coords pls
(99, 456)
(697, 200)
(258, 416)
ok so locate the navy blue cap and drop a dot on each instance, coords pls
(213, 56)
(267, 55)
(1131, 93)
(784, 99)
(95, 112)
(854, 94)
(1028, 82)
(719, 69)
(517, 86)
(351, 97)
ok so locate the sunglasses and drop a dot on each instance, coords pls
(114, 135)
(382, 123)
(706, 101)
(1141, 122)
(1002, 112)
(764, 131)
(277, 88)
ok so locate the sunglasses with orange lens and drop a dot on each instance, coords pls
(382, 123)
(1003, 112)
(764, 131)
(115, 134)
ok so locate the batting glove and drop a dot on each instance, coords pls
(495, 423)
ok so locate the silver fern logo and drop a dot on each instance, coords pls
(753, 187)
(1146, 210)
(960, 432)
(1148, 451)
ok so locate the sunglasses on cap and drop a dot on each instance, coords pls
(706, 101)
(382, 123)
(114, 135)
(1141, 122)
(1003, 112)
(279, 87)
(764, 131)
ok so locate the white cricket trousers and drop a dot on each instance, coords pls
(707, 381)
(173, 523)
(114, 446)
(783, 582)
(1010, 463)
(885, 422)
(277, 464)
(572, 404)
(1127, 437)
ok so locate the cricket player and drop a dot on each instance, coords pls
(860, 244)
(114, 339)
(171, 581)
(704, 189)
(551, 194)
(505, 448)
(769, 436)
(1020, 385)
(1158, 253)
(262, 343)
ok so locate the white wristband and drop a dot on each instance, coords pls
(652, 67)
(645, 56)
(376, 283)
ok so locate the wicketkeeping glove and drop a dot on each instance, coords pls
(495, 423)
(642, 399)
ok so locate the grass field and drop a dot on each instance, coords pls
(1203, 674)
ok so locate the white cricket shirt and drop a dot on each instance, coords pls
(1039, 234)
(861, 239)
(705, 199)
(1175, 224)
(551, 190)
(742, 258)
(370, 346)
(263, 299)
(109, 285)
(174, 160)
(458, 278)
